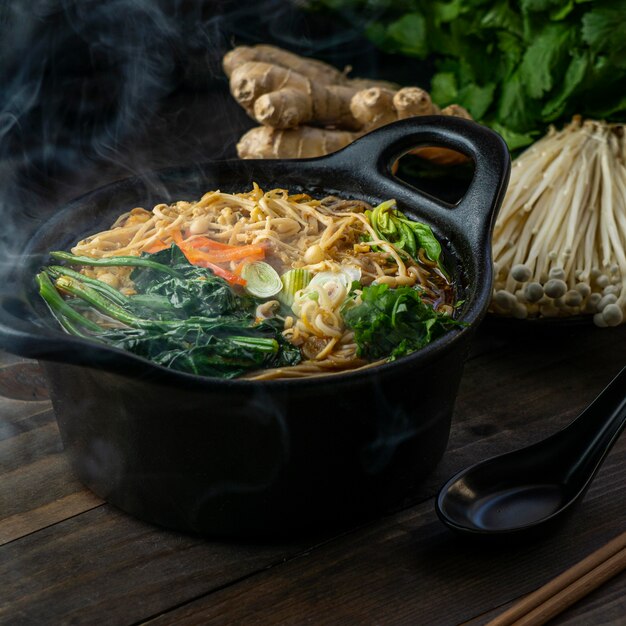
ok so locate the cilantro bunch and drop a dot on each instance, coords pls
(516, 66)
(393, 322)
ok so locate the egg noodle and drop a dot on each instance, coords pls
(330, 235)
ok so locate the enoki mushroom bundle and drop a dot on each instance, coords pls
(560, 239)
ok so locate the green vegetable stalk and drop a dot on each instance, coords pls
(117, 261)
(71, 320)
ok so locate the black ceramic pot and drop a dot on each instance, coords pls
(242, 458)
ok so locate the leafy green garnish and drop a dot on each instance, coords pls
(516, 66)
(393, 322)
(393, 226)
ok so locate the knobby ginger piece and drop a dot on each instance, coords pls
(373, 107)
(325, 106)
(317, 71)
(313, 69)
(456, 110)
(266, 91)
(413, 101)
(264, 142)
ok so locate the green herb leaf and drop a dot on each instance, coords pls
(444, 89)
(517, 67)
(426, 240)
(409, 35)
(604, 29)
(393, 322)
(477, 99)
(544, 57)
(574, 76)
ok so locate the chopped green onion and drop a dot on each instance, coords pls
(345, 278)
(114, 261)
(70, 319)
(293, 281)
(262, 280)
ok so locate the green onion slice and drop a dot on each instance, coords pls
(346, 276)
(293, 281)
(262, 280)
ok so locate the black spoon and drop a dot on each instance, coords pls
(527, 490)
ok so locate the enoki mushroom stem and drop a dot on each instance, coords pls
(560, 239)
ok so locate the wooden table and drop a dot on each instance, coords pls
(68, 557)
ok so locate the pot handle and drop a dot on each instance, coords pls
(376, 152)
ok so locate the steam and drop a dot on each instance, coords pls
(95, 91)
(84, 83)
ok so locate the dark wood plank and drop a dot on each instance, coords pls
(15, 413)
(46, 514)
(6, 358)
(410, 570)
(103, 567)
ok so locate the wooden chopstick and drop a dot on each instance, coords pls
(543, 604)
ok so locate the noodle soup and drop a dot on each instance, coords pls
(258, 284)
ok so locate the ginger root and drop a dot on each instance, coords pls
(283, 98)
(265, 142)
(316, 71)
(412, 101)
(308, 108)
(373, 107)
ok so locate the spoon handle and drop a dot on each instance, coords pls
(598, 427)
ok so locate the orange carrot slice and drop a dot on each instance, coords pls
(205, 242)
(199, 258)
(246, 252)
(222, 252)
(220, 271)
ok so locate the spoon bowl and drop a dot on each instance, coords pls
(527, 490)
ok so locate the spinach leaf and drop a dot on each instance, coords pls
(209, 351)
(198, 291)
